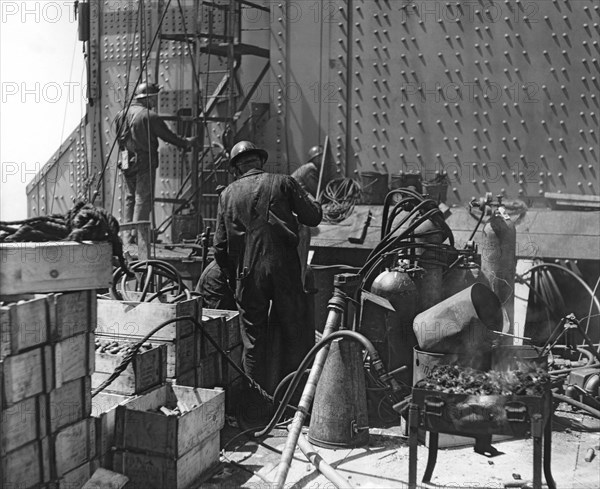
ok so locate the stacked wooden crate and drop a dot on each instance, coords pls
(176, 449)
(46, 360)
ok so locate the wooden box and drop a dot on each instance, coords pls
(72, 313)
(137, 319)
(23, 423)
(147, 369)
(231, 336)
(54, 266)
(156, 472)
(25, 375)
(73, 446)
(73, 358)
(235, 354)
(24, 323)
(187, 378)
(213, 325)
(104, 410)
(181, 353)
(26, 467)
(141, 427)
(69, 403)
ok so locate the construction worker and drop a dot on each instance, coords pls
(255, 243)
(308, 174)
(138, 131)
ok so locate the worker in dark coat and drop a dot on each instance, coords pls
(255, 242)
(308, 174)
(138, 132)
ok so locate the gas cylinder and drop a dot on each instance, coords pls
(498, 260)
(398, 287)
(429, 284)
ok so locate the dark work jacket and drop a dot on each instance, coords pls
(143, 127)
(257, 222)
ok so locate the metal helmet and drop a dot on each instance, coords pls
(145, 90)
(245, 148)
(315, 152)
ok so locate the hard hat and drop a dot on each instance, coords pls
(314, 152)
(245, 148)
(145, 90)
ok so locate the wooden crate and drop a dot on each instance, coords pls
(231, 336)
(72, 358)
(27, 467)
(25, 375)
(23, 423)
(54, 266)
(73, 446)
(156, 472)
(24, 324)
(137, 319)
(69, 403)
(148, 369)
(181, 353)
(140, 427)
(214, 325)
(72, 313)
(104, 410)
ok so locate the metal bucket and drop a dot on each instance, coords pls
(424, 362)
(513, 357)
(374, 187)
(339, 416)
(461, 323)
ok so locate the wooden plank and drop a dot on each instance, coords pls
(70, 403)
(104, 410)
(54, 266)
(22, 423)
(120, 318)
(358, 231)
(77, 477)
(209, 372)
(27, 466)
(104, 479)
(235, 354)
(25, 375)
(141, 428)
(24, 324)
(156, 472)
(74, 445)
(147, 370)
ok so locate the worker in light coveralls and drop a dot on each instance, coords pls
(256, 242)
(138, 131)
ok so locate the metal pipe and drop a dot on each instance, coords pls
(577, 404)
(327, 470)
(332, 323)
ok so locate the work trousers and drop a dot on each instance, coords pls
(272, 307)
(139, 193)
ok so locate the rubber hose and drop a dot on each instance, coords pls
(577, 404)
